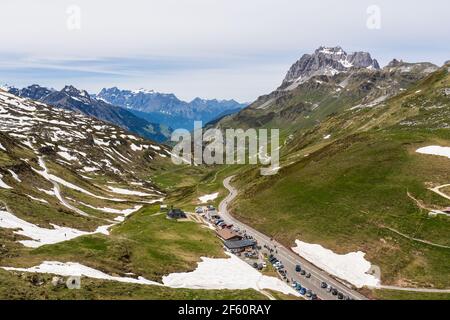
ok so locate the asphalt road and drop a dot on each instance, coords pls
(288, 257)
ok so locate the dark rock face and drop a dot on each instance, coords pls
(327, 61)
(35, 92)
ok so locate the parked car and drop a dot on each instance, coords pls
(323, 285)
(303, 272)
(302, 291)
(298, 268)
(308, 275)
(314, 296)
(334, 292)
(340, 296)
(255, 265)
(308, 293)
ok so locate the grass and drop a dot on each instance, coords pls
(406, 295)
(344, 195)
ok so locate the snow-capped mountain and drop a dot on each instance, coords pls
(166, 108)
(326, 61)
(65, 175)
(71, 98)
(72, 138)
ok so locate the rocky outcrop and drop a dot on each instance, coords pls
(326, 61)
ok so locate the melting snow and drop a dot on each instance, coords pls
(435, 150)
(351, 267)
(37, 199)
(40, 236)
(3, 184)
(128, 192)
(14, 175)
(208, 197)
(67, 156)
(231, 273)
(75, 269)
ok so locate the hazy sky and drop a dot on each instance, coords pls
(209, 48)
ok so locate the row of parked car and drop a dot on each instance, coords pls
(323, 285)
(334, 291)
(302, 290)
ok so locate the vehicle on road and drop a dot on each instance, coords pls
(308, 275)
(340, 296)
(334, 292)
(302, 291)
(323, 285)
(303, 272)
(308, 293)
(298, 268)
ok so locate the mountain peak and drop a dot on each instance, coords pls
(145, 91)
(326, 61)
(330, 50)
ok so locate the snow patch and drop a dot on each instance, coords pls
(208, 197)
(14, 175)
(40, 236)
(351, 267)
(129, 192)
(231, 273)
(3, 184)
(435, 150)
(67, 269)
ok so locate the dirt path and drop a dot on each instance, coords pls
(417, 240)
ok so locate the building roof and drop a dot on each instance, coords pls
(227, 234)
(176, 213)
(237, 244)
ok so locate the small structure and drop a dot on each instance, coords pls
(200, 210)
(163, 207)
(176, 214)
(226, 234)
(236, 246)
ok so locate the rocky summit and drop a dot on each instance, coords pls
(326, 61)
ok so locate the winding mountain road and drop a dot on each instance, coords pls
(288, 258)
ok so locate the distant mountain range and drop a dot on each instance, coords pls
(71, 98)
(150, 114)
(167, 109)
